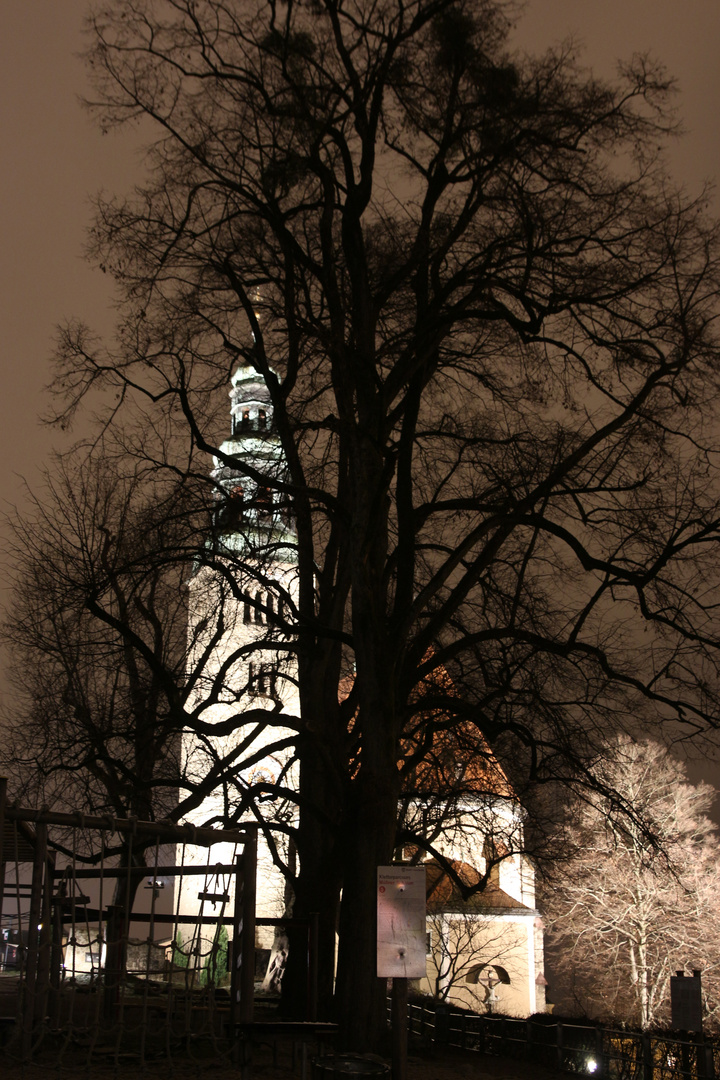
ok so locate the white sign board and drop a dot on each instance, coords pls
(401, 922)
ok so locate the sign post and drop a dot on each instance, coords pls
(401, 907)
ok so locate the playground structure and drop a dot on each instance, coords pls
(100, 956)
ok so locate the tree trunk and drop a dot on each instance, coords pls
(360, 994)
(372, 802)
(318, 883)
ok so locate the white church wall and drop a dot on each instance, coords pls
(487, 963)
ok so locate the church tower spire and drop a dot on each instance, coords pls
(250, 475)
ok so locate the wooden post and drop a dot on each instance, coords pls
(45, 938)
(247, 945)
(242, 975)
(312, 967)
(235, 954)
(114, 935)
(56, 956)
(647, 1055)
(33, 947)
(399, 1015)
(3, 797)
(706, 1061)
(600, 1057)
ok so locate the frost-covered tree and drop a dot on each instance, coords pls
(637, 898)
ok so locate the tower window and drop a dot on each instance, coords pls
(263, 500)
(262, 419)
(261, 679)
(247, 612)
(258, 608)
(230, 512)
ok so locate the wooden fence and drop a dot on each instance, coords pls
(590, 1050)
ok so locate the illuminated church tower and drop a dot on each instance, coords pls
(241, 667)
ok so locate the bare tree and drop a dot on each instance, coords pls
(99, 643)
(637, 898)
(90, 724)
(469, 955)
(485, 322)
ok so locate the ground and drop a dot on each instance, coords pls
(448, 1064)
(178, 1052)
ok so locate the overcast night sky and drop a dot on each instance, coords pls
(54, 160)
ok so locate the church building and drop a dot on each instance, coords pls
(484, 952)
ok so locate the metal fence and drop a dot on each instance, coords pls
(590, 1050)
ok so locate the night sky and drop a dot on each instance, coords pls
(55, 160)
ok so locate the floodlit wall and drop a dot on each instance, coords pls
(237, 679)
(487, 963)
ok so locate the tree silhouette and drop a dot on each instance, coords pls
(485, 322)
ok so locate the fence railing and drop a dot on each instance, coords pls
(590, 1050)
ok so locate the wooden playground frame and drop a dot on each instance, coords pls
(40, 989)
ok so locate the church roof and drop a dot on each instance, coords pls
(444, 894)
(443, 755)
(453, 755)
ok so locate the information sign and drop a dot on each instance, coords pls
(401, 935)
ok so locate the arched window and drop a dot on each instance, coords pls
(494, 852)
(258, 607)
(263, 500)
(261, 679)
(262, 419)
(247, 611)
(230, 511)
(487, 973)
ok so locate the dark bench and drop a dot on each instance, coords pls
(299, 1031)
